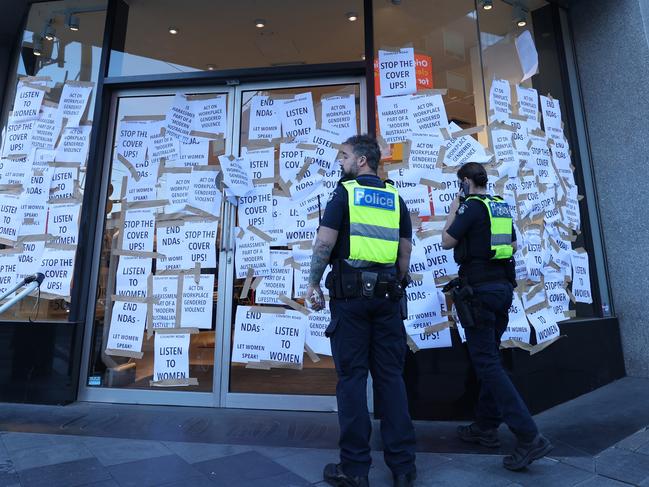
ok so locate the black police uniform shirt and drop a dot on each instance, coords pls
(472, 223)
(336, 215)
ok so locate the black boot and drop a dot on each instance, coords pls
(474, 434)
(405, 480)
(526, 452)
(333, 474)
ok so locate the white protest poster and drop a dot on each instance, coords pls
(74, 144)
(251, 251)
(581, 277)
(500, 101)
(47, 128)
(29, 260)
(199, 244)
(440, 262)
(131, 278)
(132, 141)
(34, 202)
(528, 104)
(17, 138)
(561, 158)
(262, 163)
(397, 74)
(541, 161)
(278, 282)
(27, 102)
(144, 188)
(177, 188)
(235, 175)
(73, 101)
(205, 194)
(443, 196)
(315, 337)
(194, 151)
(436, 339)
(527, 55)
(544, 324)
(17, 170)
(423, 306)
(164, 307)
(57, 266)
(197, 301)
(427, 114)
(171, 358)
(161, 144)
(291, 159)
(139, 226)
(11, 217)
(532, 252)
(63, 223)
(286, 336)
(126, 327)
(250, 343)
(64, 183)
(518, 327)
(210, 116)
(256, 208)
(300, 228)
(339, 115)
(180, 118)
(394, 122)
(169, 245)
(281, 208)
(503, 148)
(422, 159)
(463, 149)
(298, 117)
(416, 198)
(551, 111)
(264, 121)
(8, 271)
(302, 257)
(555, 290)
(326, 150)
(310, 182)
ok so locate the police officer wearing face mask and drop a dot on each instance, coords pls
(480, 229)
(365, 234)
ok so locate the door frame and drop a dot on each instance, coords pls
(220, 395)
(301, 402)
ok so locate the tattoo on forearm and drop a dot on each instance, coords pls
(319, 261)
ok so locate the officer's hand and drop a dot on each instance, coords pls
(314, 298)
(455, 204)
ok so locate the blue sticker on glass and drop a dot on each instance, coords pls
(374, 198)
(499, 210)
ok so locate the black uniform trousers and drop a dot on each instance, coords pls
(368, 334)
(499, 401)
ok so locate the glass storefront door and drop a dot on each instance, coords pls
(167, 267)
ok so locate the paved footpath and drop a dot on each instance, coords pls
(601, 439)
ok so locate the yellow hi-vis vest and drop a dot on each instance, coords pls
(373, 223)
(501, 225)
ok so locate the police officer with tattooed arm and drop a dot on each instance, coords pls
(480, 229)
(365, 234)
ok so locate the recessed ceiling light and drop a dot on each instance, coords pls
(520, 15)
(173, 31)
(487, 4)
(352, 16)
(363, 57)
(260, 23)
(211, 67)
(49, 33)
(37, 46)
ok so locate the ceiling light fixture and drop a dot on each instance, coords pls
(487, 4)
(211, 67)
(352, 16)
(72, 22)
(173, 31)
(260, 23)
(519, 15)
(49, 33)
(37, 46)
